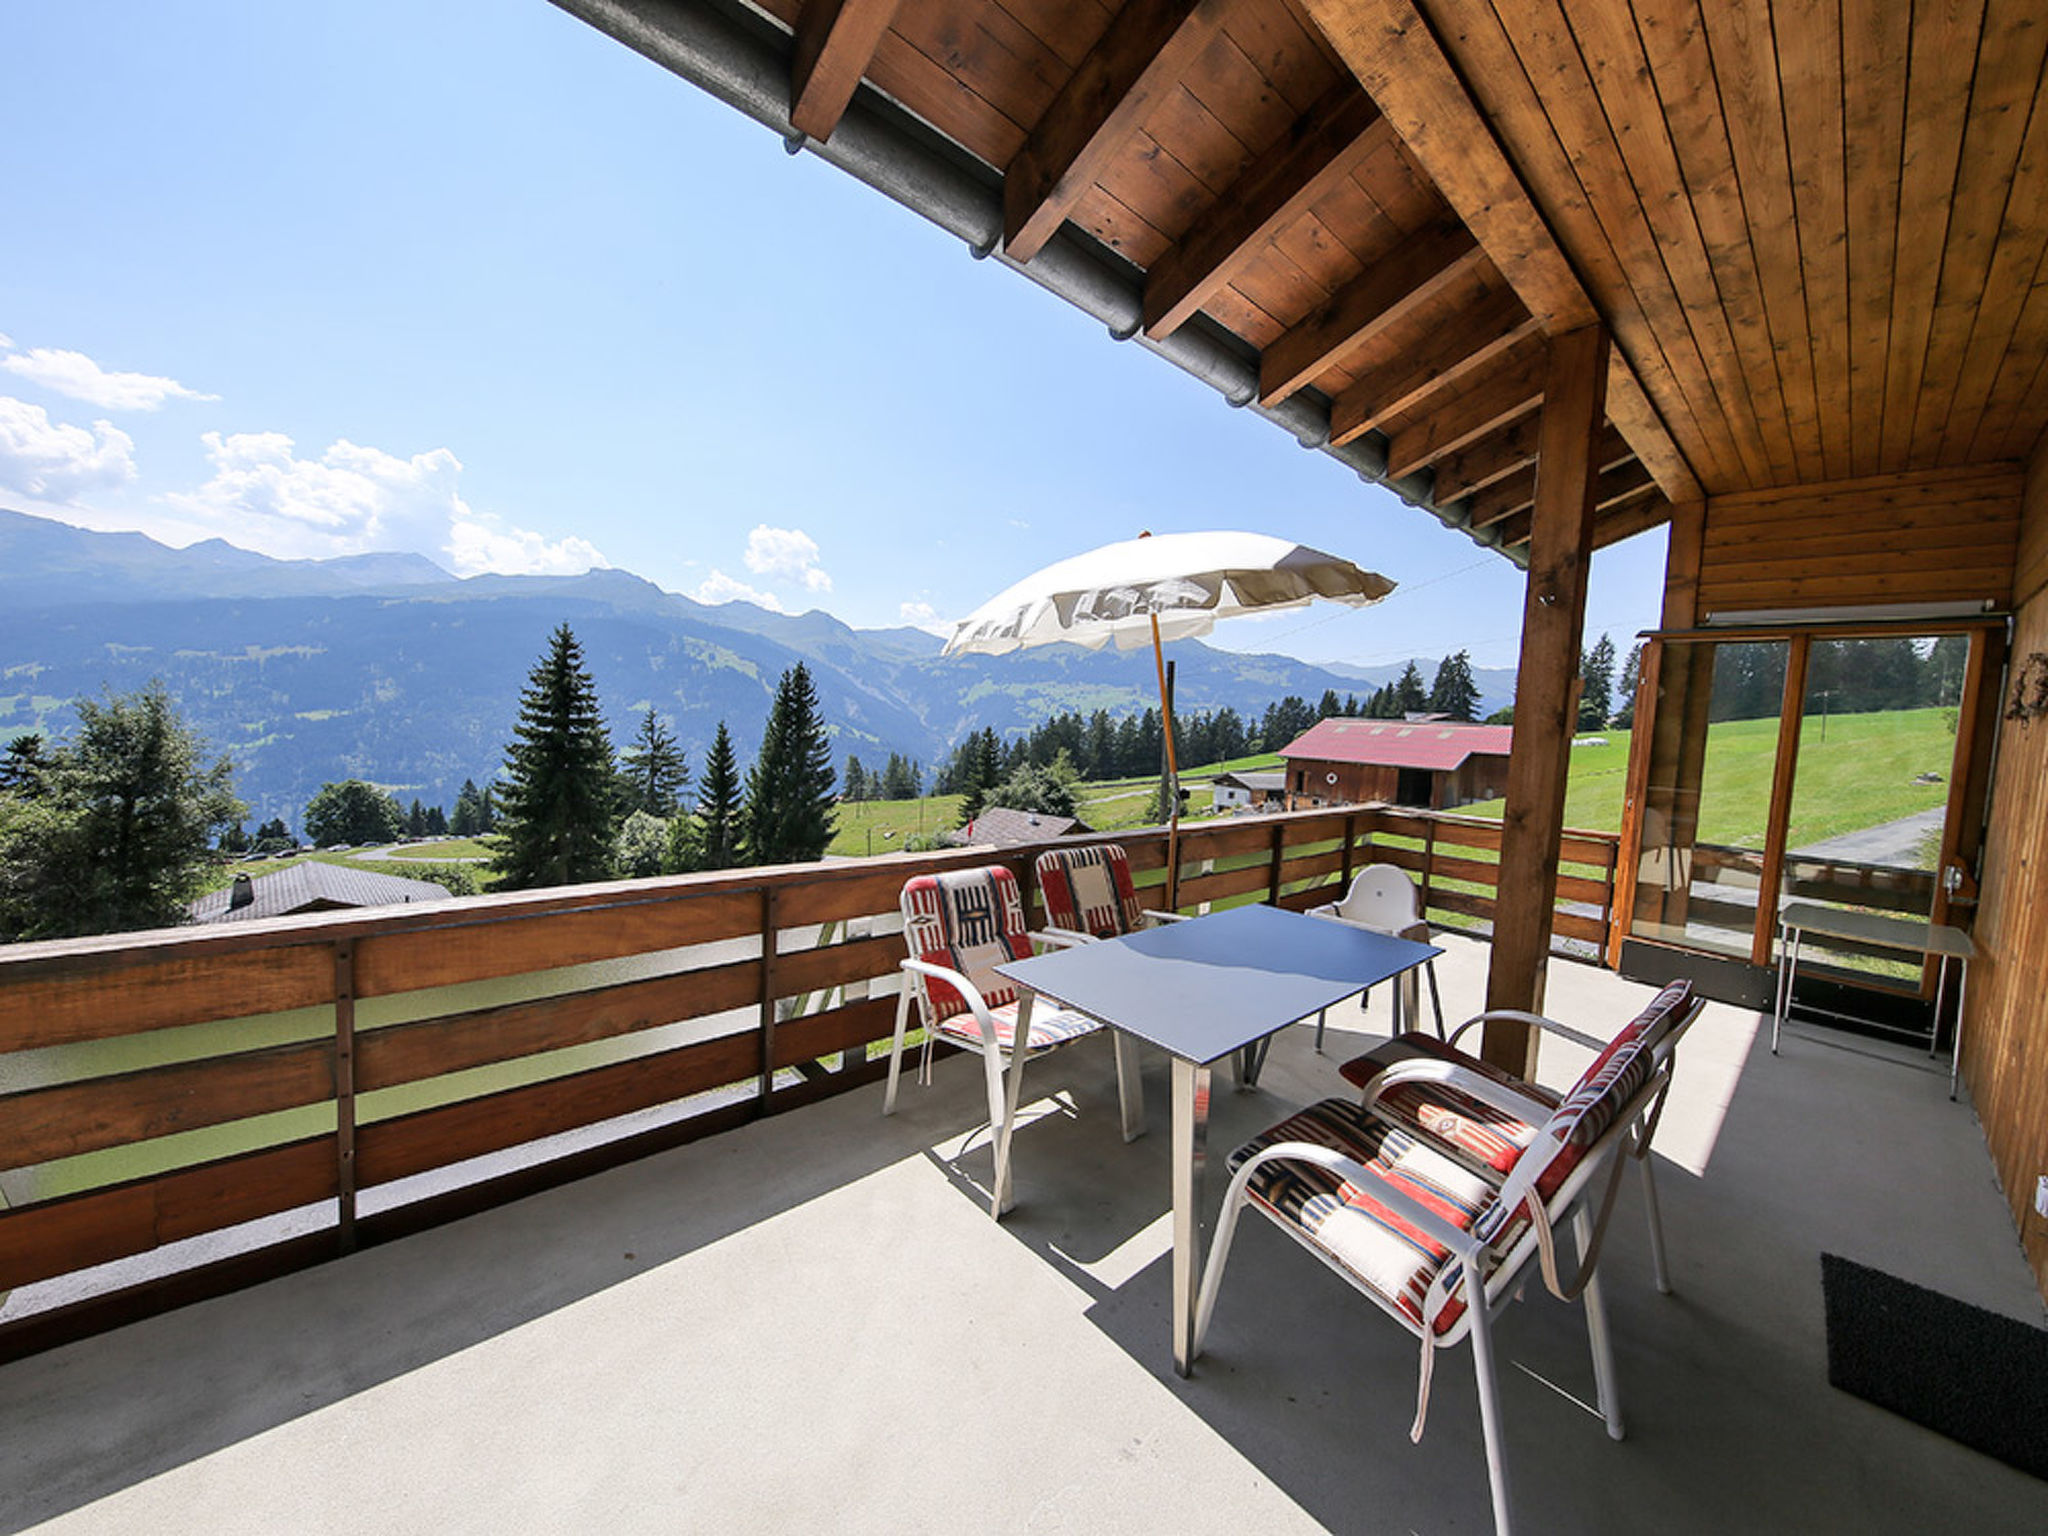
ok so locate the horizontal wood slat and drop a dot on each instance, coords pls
(59, 1237)
(836, 1029)
(67, 1119)
(96, 997)
(407, 1053)
(434, 1138)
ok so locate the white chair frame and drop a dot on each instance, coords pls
(1413, 924)
(1534, 1111)
(1505, 1281)
(1003, 1098)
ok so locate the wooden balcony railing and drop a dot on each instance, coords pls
(184, 1084)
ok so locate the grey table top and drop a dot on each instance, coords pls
(1872, 928)
(1203, 988)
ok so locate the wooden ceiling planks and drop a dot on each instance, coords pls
(1817, 229)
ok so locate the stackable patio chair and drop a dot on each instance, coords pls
(1488, 1137)
(1088, 895)
(1435, 1246)
(1383, 899)
(958, 928)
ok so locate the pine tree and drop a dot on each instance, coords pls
(984, 772)
(468, 819)
(556, 811)
(1596, 693)
(1455, 693)
(855, 785)
(787, 813)
(1631, 684)
(1409, 697)
(653, 772)
(718, 807)
(437, 821)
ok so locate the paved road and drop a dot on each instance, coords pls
(1893, 842)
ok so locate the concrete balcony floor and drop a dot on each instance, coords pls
(812, 1324)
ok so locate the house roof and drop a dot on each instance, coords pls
(1272, 780)
(1397, 743)
(310, 887)
(1006, 828)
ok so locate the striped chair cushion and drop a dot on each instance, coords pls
(1475, 1133)
(1487, 1138)
(1089, 890)
(1050, 1026)
(970, 920)
(1381, 1251)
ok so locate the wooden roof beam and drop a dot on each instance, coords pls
(1620, 496)
(1495, 458)
(1645, 511)
(1395, 286)
(1324, 146)
(1448, 357)
(1145, 52)
(1401, 64)
(1622, 475)
(835, 41)
(1491, 404)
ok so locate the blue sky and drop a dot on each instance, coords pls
(474, 280)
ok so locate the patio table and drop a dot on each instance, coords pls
(1201, 990)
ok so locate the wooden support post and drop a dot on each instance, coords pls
(768, 906)
(1350, 838)
(1553, 618)
(345, 1094)
(1791, 710)
(1279, 858)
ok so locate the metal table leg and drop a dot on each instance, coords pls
(1955, 1055)
(1190, 1153)
(1788, 970)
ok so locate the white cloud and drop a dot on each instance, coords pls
(925, 617)
(56, 461)
(76, 375)
(6, 342)
(721, 588)
(786, 552)
(353, 499)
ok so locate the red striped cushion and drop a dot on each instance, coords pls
(971, 921)
(1382, 1251)
(1089, 890)
(1049, 1026)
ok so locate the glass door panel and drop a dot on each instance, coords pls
(1877, 753)
(1705, 819)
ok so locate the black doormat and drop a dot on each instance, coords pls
(1972, 1375)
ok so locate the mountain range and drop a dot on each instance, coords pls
(385, 667)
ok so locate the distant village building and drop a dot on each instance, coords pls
(1006, 828)
(1238, 791)
(309, 887)
(1431, 764)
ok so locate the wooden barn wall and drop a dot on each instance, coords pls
(1929, 536)
(2005, 1038)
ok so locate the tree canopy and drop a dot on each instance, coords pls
(555, 819)
(116, 833)
(354, 812)
(717, 844)
(653, 770)
(1455, 693)
(787, 812)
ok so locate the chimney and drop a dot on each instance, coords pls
(243, 894)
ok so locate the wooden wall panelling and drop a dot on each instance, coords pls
(1142, 55)
(1999, 330)
(1655, 77)
(1279, 187)
(1567, 150)
(1875, 44)
(1410, 277)
(1984, 214)
(1502, 397)
(1444, 359)
(1944, 55)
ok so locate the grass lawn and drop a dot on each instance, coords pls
(880, 826)
(1860, 776)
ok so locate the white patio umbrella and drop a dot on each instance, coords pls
(1156, 589)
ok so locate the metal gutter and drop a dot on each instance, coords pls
(742, 58)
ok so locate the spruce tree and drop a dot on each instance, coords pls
(654, 771)
(555, 814)
(1455, 693)
(468, 819)
(1596, 693)
(787, 813)
(1409, 697)
(718, 807)
(984, 772)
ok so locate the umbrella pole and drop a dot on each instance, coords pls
(1172, 777)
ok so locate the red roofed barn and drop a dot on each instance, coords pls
(1433, 763)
